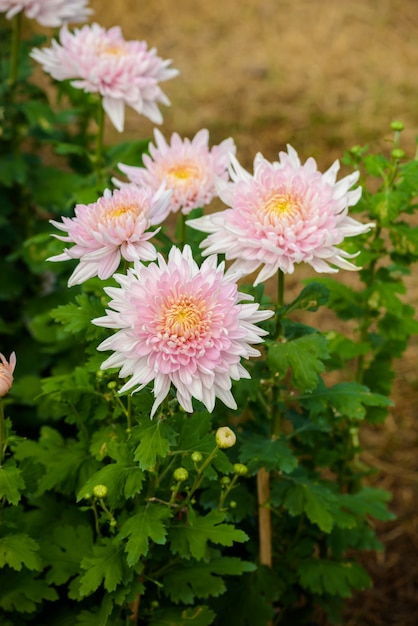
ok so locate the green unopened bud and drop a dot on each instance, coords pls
(397, 126)
(225, 481)
(225, 437)
(233, 504)
(196, 457)
(240, 469)
(112, 523)
(112, 384)
(181, 474)
(100, 491)
(397, 153)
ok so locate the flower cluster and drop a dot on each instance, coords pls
(283, 214)
(114, 227)
(187, 167)
(6, 373)
(102, 61)
(51, 13)
(183, 325)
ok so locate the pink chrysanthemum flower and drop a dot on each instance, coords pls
(51, 13)
(189, 168)
(101, 61)
(113, 227)
(286, 213)
(6, 373)
(181, 325)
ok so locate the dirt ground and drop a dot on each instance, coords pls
(322, 75)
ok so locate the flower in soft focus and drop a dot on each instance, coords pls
(181, 325)
(188, 167)
(101, 61)
(6, 373)
(225, 437)
(48, 12)
(113, 227)
(285, 213)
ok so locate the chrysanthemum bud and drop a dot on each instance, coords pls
(225, 481)
(398, 153)
(181, 474)
(233, 504)
(100, 491)
(397, 126)
(6, 373)
(240, 469)
(225, 437)
(196, 457)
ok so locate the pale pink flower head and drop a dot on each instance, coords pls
(283, 214)
(6, 373)
(188, 167)
(183, 325)
(112, 228)
(51, 13)
(102, 61)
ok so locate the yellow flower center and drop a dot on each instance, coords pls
(281, 204)
(184, 316)
(183, 172)
(115, 213)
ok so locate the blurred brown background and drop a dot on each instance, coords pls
(322, 75)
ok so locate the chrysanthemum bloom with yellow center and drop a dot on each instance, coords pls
(283, 214)
(6, 373)
(181, 325)
(187, 167)
(112, 228)
(101, 61)
(48, 12)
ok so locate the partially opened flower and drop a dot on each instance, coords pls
(188, 167)
(48, 12)
(6, 373)
(283, 214)
(101, 61)
(183, 325)
(114, 227)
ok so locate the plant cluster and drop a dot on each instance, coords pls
(177, 444)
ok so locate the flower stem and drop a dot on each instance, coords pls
(199, 475)
(99, 142)
(2, 432)
(14, 52)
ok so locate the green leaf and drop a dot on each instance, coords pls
(145, 526)
(65, 551)
(123, 481)
(76, 318)
(310, 298)
(196, 616)
(11, 483)
(155, 440)
(335, 578)
(105, 566)
(19, 550)
(21, 591)
(272, 454)
(202, 580)
(348, 399)
(128, 152)
(303, 355)
(191, 540)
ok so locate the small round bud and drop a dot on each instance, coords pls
(225, 481)
(225, 437)
(112, 384)
(397, 126)
(100, 491)
(112, 523)
(397, 153)
(155, 604)
(196, 457)
(181, 474)
(233, 504)
(240, 469)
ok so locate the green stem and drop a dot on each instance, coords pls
(99, 142)
(2, 432)
(225, 493)
(199, 476)
(14, 52)
(280, 302)
(182, 229)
